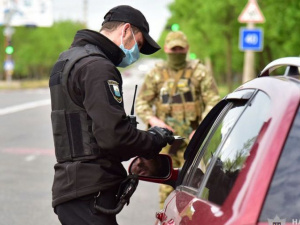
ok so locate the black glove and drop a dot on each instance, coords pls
(162, 136)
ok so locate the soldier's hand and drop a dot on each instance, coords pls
(162, 136)
(155, 122)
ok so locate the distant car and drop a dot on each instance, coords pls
(243, 163)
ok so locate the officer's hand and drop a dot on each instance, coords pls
(162, 136)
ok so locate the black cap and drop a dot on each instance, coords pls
(128, 14)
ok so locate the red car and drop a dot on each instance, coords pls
(243, 164)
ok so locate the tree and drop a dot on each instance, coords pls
(212, 28)
(280, 30)
(213, 31)
(37, 49)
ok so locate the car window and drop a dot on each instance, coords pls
(213, 141)
(223, 153)
(283, 198)
(192, 150)
(213, 138)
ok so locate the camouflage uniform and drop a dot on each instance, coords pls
(180, 98)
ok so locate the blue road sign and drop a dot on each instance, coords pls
(251, 39)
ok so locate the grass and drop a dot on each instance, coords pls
(35, 84)
(23, 84)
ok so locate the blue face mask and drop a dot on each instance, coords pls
(131, 55)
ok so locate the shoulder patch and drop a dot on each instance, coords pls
(115, 90)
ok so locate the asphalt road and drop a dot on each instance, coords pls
(27, 159)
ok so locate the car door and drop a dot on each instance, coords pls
(282, 202)
(217, 158)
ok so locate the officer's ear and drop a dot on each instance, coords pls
(126, 30)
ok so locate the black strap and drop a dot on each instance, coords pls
(126, 190)
(55, 76)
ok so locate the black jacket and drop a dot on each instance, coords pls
(88, 86)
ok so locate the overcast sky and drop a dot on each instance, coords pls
(155, 11)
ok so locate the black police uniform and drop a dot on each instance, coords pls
(92, 134)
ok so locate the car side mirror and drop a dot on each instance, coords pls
(156, 168)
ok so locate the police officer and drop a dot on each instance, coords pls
(182, 92)
(92, 134)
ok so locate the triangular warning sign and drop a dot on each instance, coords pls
(251, 13)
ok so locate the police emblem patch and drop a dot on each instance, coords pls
(115, 90)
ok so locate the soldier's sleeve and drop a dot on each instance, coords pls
(146, 97)
(208, 89)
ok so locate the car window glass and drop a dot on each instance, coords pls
(283, 198)
(224, 153)
(234, 151)
(214, 139)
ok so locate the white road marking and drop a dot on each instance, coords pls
(30, 158)
(21, 107)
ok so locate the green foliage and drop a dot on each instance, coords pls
(37, 49)
(280, 30)
(212, 28)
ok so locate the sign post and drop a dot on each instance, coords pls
(8, 32)
(251, 37)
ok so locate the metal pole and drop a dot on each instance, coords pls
(8, 59)
(8, 32)
(249, 61)
(85, 6)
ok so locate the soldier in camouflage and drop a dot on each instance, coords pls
(176, 94)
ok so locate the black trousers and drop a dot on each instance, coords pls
(81, 211)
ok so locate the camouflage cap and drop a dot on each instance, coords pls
(176, 38)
